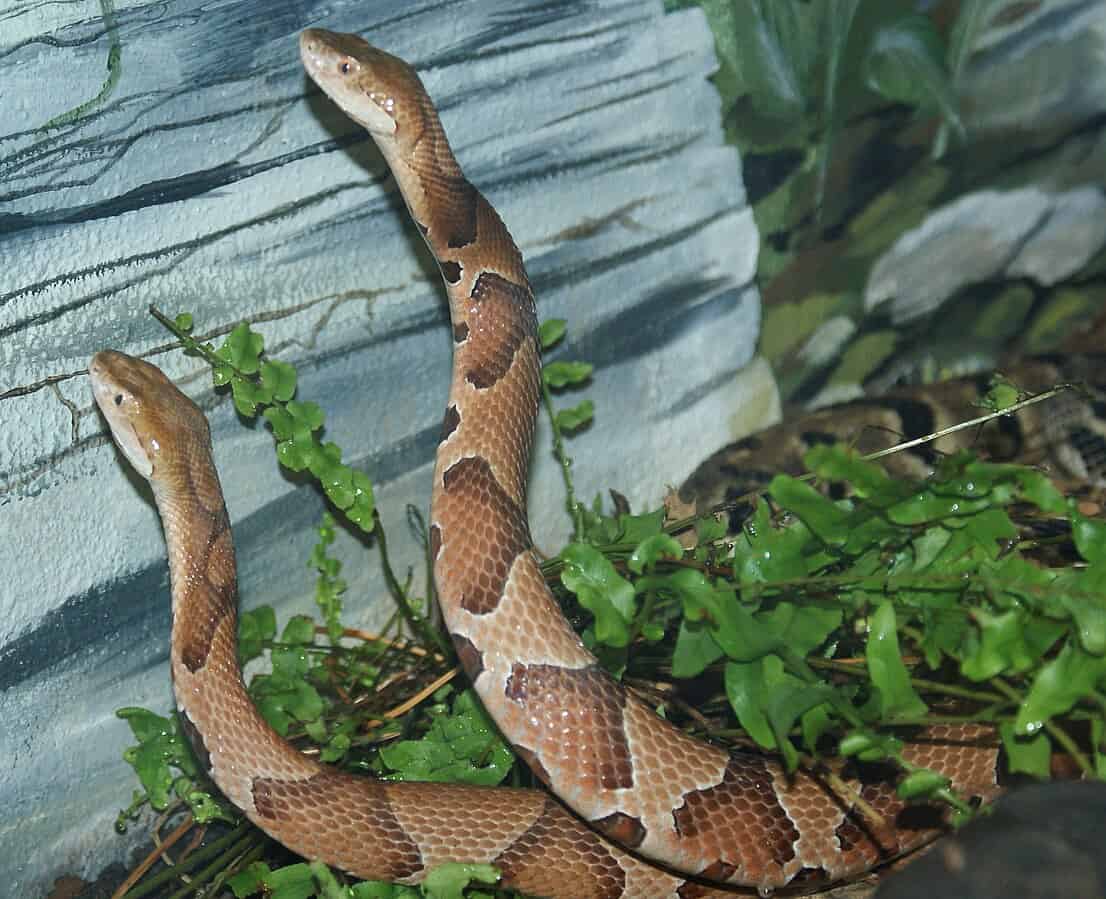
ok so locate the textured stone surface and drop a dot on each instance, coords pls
(1036, 81)
(1041, 69)
(211, 181)
(986, 236)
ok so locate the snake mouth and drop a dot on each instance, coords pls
(340, 64)
(113, 401)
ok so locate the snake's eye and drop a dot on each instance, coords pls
(344, 67)
(119, 399)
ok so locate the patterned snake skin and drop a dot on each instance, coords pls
(629, 777)
(1064, 435)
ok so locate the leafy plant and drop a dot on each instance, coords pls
(819, 628)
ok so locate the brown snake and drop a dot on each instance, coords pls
(636, 778)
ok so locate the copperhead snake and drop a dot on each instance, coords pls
(630, 777)
(1066, 435)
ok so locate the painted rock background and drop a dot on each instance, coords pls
(894, 251)
(210, 179)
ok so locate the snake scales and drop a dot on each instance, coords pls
(1066, 435)
(633, 778)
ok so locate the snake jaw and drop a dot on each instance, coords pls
(118, 405)
(133, 396)
(356, 76)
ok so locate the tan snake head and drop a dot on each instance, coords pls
(375, 89)
(152, 422)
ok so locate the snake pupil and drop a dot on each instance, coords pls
(119, 399)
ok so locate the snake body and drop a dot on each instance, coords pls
(1066, 435)
(630, 777)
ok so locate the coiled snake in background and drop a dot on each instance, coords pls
(634, 778)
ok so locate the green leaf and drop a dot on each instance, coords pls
(291, 882)
(1001, 394)
(1058, 686)
(635, 528)
(868, 746)
(732, 626)
(897, 698)
(144, 724)
(375, 889)
(574, 418)
(789, 700)
(839, 463)
(1089, 535)
(921, 784)
(1026, 755)
(282, 423)
(1086, 602)
(205, 808)
(1001, 647)
(285, 695)
(336, 749)
(363, 506)
(449, 880)
(160, 746)
(928, 546)
(249, 881)
(1038, 489)
(824, 518)
(461, 746)
(625, 528)
(222, 375)
(255, 627)
(748, 685)
(307, 414)
(695, 649)
(279, 379)
(329, 587)
(802, 628)
(711, 528)
(300, 629)
(906, 63)
(651, 550)
(248, 396)
(562, 374)
(242, 349)
(765, 553)
(550, 332)
(184, 321)
(946, 627)
(601, 590)
(815, 724)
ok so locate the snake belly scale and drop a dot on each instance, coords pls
(631, 779)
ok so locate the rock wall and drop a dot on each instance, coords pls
(209, 178)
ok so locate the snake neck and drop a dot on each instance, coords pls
(204, 583)
(216, 712)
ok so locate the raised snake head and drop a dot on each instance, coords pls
(158, 428)
(377, 90)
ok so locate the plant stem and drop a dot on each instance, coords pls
(574, 510)
(245, 829)
(1060, 736)
(202, 876)
(416, 622)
